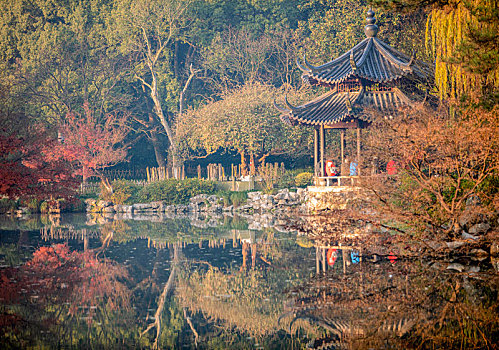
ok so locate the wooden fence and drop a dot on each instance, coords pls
(268, 173)
(164, 173)
(95, 187)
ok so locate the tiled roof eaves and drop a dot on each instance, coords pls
(375, 61)
(340, 59)
(326, 109)
(331, 107)
(391, 54)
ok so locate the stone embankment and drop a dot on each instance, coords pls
(285, 208)
(283, 201)
(300, 201)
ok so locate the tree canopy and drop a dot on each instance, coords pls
(461, 37)
(160, 61)
(243, 120)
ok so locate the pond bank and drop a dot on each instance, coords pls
(311, 200)
(283, 201)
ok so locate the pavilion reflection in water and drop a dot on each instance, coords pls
(363, 301)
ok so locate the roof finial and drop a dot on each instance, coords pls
(371, 29)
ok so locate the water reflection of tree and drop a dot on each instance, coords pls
(66, 298)
(243, 298)
(402, 305)
(160, 233)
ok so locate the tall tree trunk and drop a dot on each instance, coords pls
(243, 163)
(159, 111)
(160, 159)
(84, 174)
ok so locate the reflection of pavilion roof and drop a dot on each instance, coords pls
(334, 107)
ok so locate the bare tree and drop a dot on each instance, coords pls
(150, 29)
(441, 161)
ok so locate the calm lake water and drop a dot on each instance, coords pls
(215, 283)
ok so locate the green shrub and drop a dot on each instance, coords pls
(303, 179)
(44, 207)
(161, 190)
(287, 180)
(196, 186)
(7, 205)
(124, 192)
(233, 198)
(33, 204)
(225, 195)
(76, 206)
(238, 198)
(175, 191)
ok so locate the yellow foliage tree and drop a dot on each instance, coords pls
(462, 37)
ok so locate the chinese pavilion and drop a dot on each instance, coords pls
(371, 75)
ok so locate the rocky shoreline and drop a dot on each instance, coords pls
(283, 201)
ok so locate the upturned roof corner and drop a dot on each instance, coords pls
(370, 73)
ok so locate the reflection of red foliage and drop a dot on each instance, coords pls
(55, 276)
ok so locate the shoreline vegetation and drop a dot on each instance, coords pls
(349, 219)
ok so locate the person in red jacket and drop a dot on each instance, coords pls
(331, 169)
(392, 168)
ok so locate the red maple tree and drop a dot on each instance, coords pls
(92, 145)
(29, 167)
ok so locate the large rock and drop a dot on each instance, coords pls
(494, 248)
(465, 235)
(254, 195)
(213, 199)
(301, 191)
(181, 208)
(479, 229)
(294, 196)
(138, 207)
(170, 209)
(158, 205)
(104, 204)
(455, 244)
(200, 198)
(90, 202)
(456, 267)
(217, 208)
(107, 210)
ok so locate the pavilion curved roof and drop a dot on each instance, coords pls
(371, 59)
(334, 107)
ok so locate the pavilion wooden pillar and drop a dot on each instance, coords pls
(317, 260)
(316, 151)
(323, 259)
(322, 138)
(342, 146)
(358, 151)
